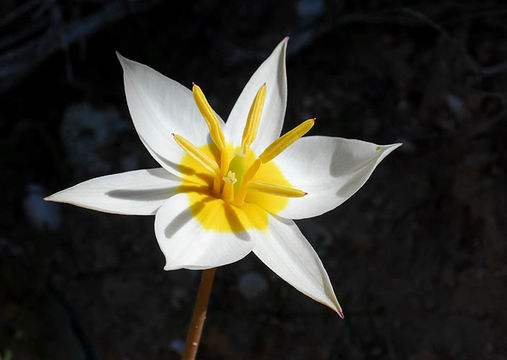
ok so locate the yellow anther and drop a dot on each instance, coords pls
(254, 117)
(252, 170)
(224, 161)
(209, 115)
(286, 140)
(197, 154)
(274, 189)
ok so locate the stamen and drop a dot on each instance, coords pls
(254, 117)
(197, 154)
(229, 181)
(224, 161)
(252, 170)
(209, 115)
(286, 140)
(275, 189)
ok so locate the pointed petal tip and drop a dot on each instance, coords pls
(120, 57)
(124, 62)
(52, 198)
(336, 308)
(340, 314)
(389, 148)
(286, 39)
(392, 147)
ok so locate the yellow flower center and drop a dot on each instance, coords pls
(231, 189)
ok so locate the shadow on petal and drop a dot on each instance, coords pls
(235, 223)
(143, 195)
(349, 174)
(182, 219)
(162, 174)
(161, 159)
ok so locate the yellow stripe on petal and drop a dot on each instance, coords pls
(286, 140)
(275, 189)
(209, 115)
(197, 154)
(254, 117)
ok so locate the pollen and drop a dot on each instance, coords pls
(231, 178)
(236, 175)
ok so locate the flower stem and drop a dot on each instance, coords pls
(199, 315)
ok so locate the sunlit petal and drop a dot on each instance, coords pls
(329, 169)
(139, 192)
(186, 244)
(272, 73)
(287, 252)
(159, 107)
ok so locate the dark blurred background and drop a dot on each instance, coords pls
(417, 257)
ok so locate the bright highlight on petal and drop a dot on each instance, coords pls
(286, 251)
(139, 192)
(235, 194)
(186, 243)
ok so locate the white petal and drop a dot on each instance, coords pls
(287, 252)
(139, 192)
(329, 169)
(159, 107)
(271, 72)
(186, 244)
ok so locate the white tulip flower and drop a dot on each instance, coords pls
(226, 189)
